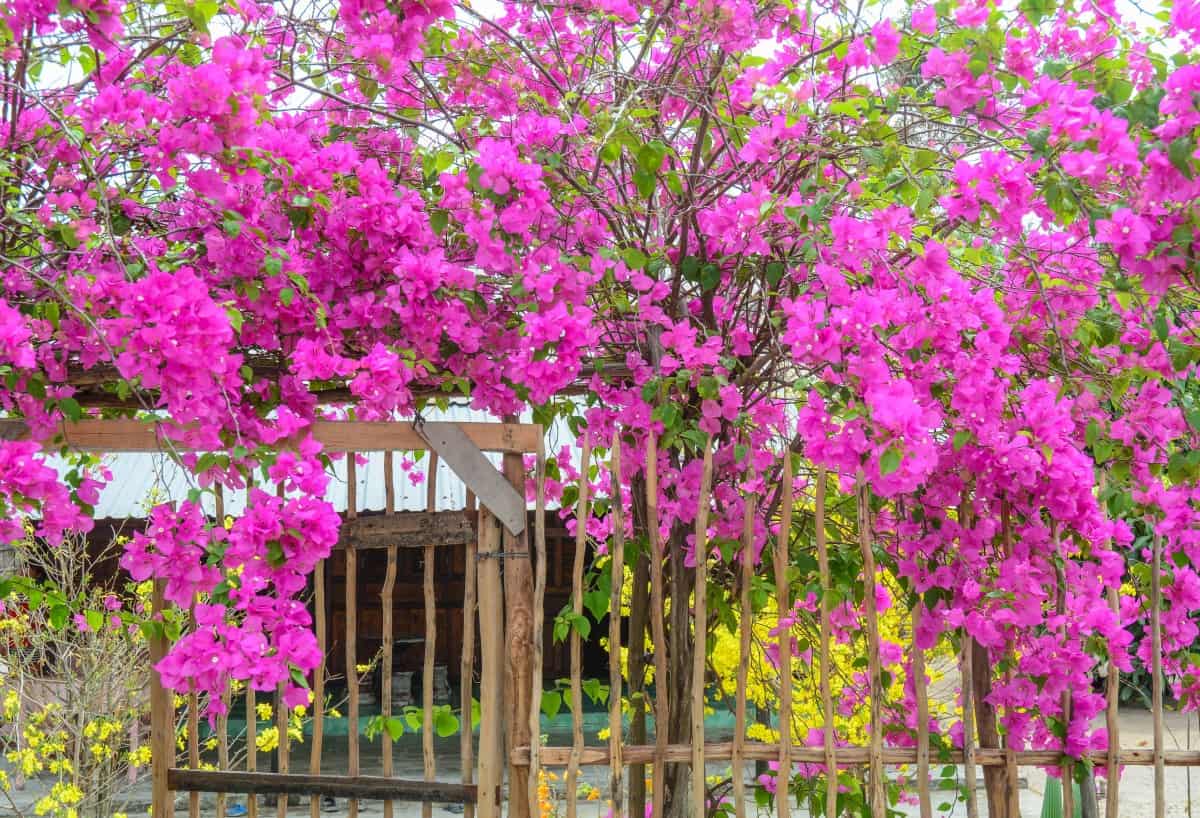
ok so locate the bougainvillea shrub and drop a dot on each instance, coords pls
(945, 249)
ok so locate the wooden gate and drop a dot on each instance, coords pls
(484, 542)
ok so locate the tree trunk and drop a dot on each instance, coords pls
(994, 777)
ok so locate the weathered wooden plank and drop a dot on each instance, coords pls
(583, 513)
(410, 529)
(633, 754)
(617, 552)
(430, 767)
(700, 631)
(484, 480)
(782, 561)
(830, 749)
(345, 786)
(127, 435)
(491, 673)
(162, 720)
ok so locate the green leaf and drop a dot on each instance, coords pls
(445, 723)
(1180, 153)
(611, 152)
(70, 408)
(286, 296)
(710, 277)
(582, 625)
(634, 258)
(890, 461)
(58, 616)
(645, 182)
(551, 702)
(961, 438)
(232, 224)
(95, 620)
(597, 603)
(650, 157)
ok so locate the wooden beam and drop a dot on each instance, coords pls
(633, 754)
(345, 786)
(415, 529)
(126, 435)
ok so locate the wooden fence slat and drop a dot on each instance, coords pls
(223, 718)
(162, 718)
(745, 632)
(967, 681)
(491, 685)
(827, 712)
(582, 514)
(318, 701)
(193, 741)
(430, 762)
(783, 599)
(1068, 766)
(281, 726)
(657, 627)
(1160, 801)
(335, 436)
(251, 744)
(615, 726)
(922, 696)
(388, 627)
(363, 786)
(351, 632)
(700, 652)
(878, 797)
(467, 672)
(1112, 780)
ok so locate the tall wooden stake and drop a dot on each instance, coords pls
(699, 655)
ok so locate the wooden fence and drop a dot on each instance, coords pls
(985, 751)
(485, 542)
(483, 777)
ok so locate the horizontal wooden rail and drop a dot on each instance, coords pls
(363, 786)
(125, 435)
(411, 529)
(755, 751)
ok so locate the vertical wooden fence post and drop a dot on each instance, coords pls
(617, 554)
(519, 592)
(351, 630)
(866, 542)
(658, 629)
(922, 695)
(318, 701)
(967, 683)
(538, 617)
(388, 626)
(162, 718)
(1156, 691)
(700, 654)
(582, 514)
(430, 763)
(467, 672)
(491, 683)
(783, 599)
(745, 632)
(223, 718)
(827, 713)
